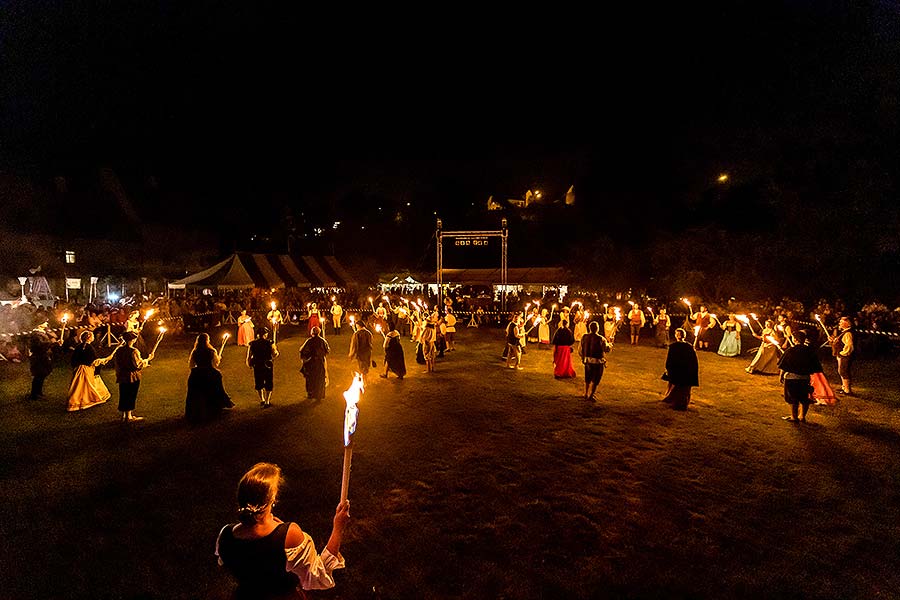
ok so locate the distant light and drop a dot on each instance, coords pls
(722, 178)
(113, 297)
(336, 223)
(408, 204)
(363, 227)
(379, 208)
(537, 193)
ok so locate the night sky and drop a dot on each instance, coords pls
(234, 118)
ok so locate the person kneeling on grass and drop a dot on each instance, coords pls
(797, 364)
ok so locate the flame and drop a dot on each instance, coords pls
(553, 307)
(772, 340)
(351, 397)
(817, 317)
(378, 328)
(226, 336)
(65, 317)
(370, 298)
(162, 330)
(385, 298)
(273, 305)
(753, 315)
(631, 303)
(686, 301)
(149, 313)
(618, 312)
(587, 315)
(332, 298)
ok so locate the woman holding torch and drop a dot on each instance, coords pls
(129, 364)
(268, 557)
(206, 395)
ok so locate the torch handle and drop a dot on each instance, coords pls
(345, 477)
(156, 345)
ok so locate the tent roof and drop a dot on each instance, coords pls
(244, 270)
(514, 276)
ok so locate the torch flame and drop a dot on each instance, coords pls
(149, 313)
(273, 305)
(378, 328)
(163, 330)
(618, 312)
(226, 336)
(631, 302)
(351, 397)
(753, 315)
(686, 301)
(772, 340)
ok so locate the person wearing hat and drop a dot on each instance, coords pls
(261, 354)
(129, 364)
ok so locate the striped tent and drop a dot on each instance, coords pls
(245, 270)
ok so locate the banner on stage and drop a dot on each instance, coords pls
(176, 286)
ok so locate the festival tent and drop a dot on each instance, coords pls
(245, 270)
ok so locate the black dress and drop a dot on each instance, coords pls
(206, 396)
(393, 356)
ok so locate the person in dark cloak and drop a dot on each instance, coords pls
(41, 346)
(206, 396)
(682, 372)
(394, 360)
(313, 354)
(797, 364)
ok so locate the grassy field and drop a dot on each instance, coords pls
(473, 482)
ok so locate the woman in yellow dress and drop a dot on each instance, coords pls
(87, 388)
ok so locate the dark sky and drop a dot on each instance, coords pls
(270, 105)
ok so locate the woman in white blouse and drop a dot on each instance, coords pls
(270, 558)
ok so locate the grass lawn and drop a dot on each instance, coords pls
(473, 482)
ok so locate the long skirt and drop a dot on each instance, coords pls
(562, 362)
(206, 396)
(731, 344)
(678, 396)
(396, 362)
(128, 392)
(314, 371)
(544, 333)
(245, 335)
(822, 392)
(87, 389)
(313, 322)
(765, 361)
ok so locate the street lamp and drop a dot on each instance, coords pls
(722, 178)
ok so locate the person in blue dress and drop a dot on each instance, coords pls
(731, 339)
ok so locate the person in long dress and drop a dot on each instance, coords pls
(580, 325)
(544, 330)
(206, 395)
(314, 318)
(394, 361)
(766, 359)
(563, 340)
(313, 353)
(731, 339)
(270, 558)
(682, 372)
(610, 324)
(429, 350)
(245, 329)
(87, 388)
(663, 323)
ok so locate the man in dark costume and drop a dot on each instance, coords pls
(261, 354)
(797, 364)
(682, 372)
(40, 358)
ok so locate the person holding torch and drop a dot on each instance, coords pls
(129, 364)
(268, 557)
